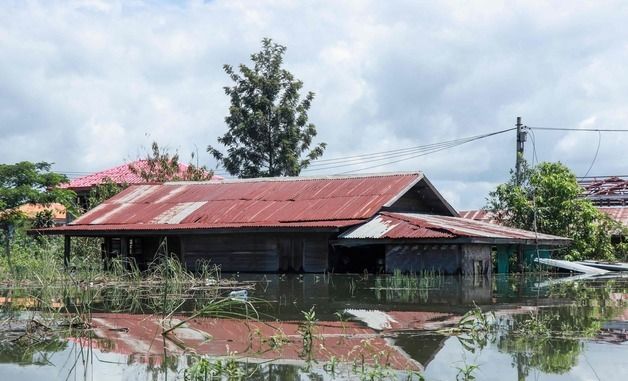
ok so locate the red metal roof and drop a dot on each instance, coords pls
(618, 213)
(426, 226)
(334, 201)
(119, 175)
(478, 215)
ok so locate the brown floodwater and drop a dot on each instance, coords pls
(364, 327)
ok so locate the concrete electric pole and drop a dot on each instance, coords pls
(521, 139)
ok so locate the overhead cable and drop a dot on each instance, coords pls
(577, 129)
(457, 142)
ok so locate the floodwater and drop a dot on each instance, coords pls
(365, 327)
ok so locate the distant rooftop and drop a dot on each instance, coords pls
(119, 175)
(606, 191)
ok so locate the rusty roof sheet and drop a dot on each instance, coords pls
(618, 213)
(478, 215)
(119, 175)
(425, 226)
(332, 201)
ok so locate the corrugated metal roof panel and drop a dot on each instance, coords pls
(618, 213)
(426, 226)
(390, 226)
(276, 202)
(94, 229)
(478, 215)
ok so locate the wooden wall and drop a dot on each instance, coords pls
(447, 259)
(476, 259)
(417, 258)
(258, 252)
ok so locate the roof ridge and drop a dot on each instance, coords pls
(298, 178)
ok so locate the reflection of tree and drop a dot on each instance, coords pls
(31, 354)
(543, 353)
(550, 339)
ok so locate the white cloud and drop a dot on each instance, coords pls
(85, 83)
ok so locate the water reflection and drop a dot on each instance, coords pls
(562, 331)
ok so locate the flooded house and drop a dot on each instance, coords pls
(375, 223)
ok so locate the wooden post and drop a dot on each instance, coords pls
(124, 247)
(66, 251)
(182, 254)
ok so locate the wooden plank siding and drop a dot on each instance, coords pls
(448, 259)
(316, 253)
(258, 252)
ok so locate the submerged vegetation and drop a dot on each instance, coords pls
(407, 286)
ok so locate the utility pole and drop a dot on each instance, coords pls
(521, 139)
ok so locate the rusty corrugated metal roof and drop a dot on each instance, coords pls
(426, 226)
(618, 213)
(119, 175)
(332, 201)
(478, 215)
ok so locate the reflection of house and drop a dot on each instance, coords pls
(300, 224)
(140, 337)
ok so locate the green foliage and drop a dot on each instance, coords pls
(26, 182)
(103, 191)
(307, 330)
(465, 373)
(550, 198)
(268, 127)
(160, 166)
(44, 219)
(203, 368)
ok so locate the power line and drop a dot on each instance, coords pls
(383, 153)
(458, 143)
(577, 129)
(405, 155)
(597, 150)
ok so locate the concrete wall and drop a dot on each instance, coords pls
(447, 259)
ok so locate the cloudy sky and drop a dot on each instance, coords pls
(87, 84)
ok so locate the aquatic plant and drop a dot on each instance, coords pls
(307, 330)
(204, 368)
(465, 373)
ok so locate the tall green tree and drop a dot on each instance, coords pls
(269, 133)
(160, 166)
(549, 199)
(23, 183)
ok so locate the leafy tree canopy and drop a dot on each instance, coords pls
(550, 197)
(103, 191)
(28, 182)
(160, 166)
(269, 133)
